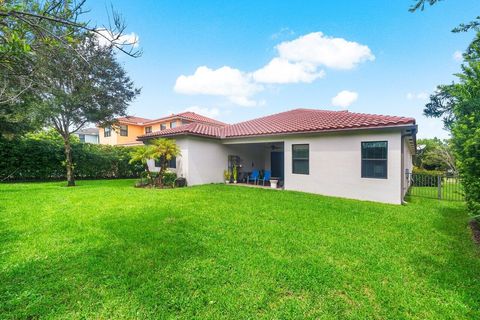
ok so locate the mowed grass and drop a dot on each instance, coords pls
(107, 250)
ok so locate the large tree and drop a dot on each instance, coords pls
(459, 106)
(80, 86)
(28, 27)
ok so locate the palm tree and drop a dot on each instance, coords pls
(143, 154)
(164, 150)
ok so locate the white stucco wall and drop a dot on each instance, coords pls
(335, 163)
(335, 167)
(407, 164)
(207, 158)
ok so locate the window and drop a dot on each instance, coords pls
(173, 124)
(107, 132)
(374, 159)
(163, 126)
(300, 158)
(124, 130)
(148, 129)
(82, 138)
(184, 122)
(171, 164)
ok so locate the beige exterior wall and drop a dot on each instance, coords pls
(335, 167)
(133, 132)
(334, 162)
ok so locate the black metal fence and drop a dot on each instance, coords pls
(442, 186)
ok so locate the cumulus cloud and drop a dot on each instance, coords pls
(320, 50)
(297, 61)
(457, 56)
(344, 98)
(417, 96)
(232, 83)
(282, 71)
(207, 112)
(108, 36)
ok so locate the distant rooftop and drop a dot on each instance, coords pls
(188, 115)
(91, 131)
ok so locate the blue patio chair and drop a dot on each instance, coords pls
(266, 177)
(254, 176)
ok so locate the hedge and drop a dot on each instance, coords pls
(41, 157)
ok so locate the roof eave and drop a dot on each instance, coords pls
(401, 126)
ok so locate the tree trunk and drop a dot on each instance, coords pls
(69, 162)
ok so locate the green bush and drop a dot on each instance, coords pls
(41, 157)
(426, 178)
(169, 178)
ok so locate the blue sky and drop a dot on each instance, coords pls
(237, 60)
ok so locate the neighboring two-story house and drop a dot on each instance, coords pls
(130, 128)
(88, 135)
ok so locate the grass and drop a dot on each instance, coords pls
(107, 250)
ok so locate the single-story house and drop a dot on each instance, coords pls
(335, 153)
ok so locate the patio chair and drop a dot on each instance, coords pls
(266, 177)
(254, 176)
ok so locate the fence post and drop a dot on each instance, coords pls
(439, 186)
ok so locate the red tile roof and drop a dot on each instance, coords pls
(194, 128)
(132, 119)
(190, 116)
(311, 120)
(199, 118)
(293, 121)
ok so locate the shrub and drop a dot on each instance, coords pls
(41, 157)
(426, 178)
(169, 178)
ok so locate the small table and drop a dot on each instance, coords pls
(273, 183)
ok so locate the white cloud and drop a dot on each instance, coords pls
(232, 83)
(207, 112)
(108, 36)
(317, 49)
(344, 98)
(457, 56)
(423, 96)
(279, 70)
(298, 61)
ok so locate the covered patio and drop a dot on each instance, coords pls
(258, 164)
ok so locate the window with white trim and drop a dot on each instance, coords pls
(374, 159)
(300, 158)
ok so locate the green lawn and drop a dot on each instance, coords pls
(107, 250)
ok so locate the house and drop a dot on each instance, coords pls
(335, 153)
(88, 135)
(127, 129)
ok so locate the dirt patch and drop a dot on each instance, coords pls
(475, 225)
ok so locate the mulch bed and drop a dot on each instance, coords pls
(475, 225)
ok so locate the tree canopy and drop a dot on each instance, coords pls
(29, 27)
(459, 106)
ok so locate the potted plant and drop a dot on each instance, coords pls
(227, 176)
(235, 174)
